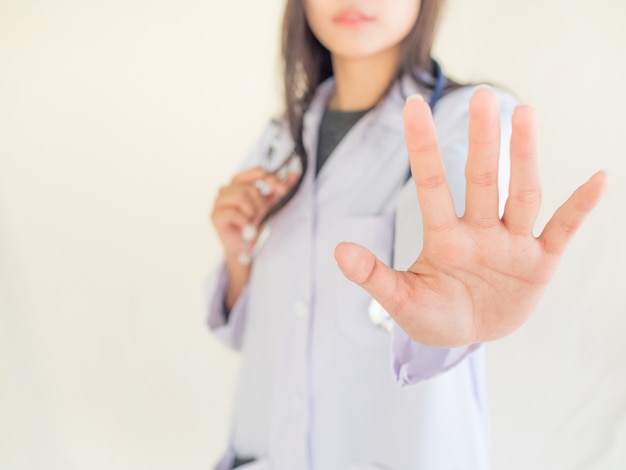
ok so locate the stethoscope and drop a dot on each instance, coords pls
(252, 239)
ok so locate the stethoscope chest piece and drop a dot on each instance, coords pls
(379, 316)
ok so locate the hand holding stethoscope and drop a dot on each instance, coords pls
(241, 205)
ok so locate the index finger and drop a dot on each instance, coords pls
(251, 175)
(427, 167)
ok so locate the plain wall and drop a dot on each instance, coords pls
(118, 122)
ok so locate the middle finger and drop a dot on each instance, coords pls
(481, 169)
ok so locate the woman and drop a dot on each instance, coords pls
(319, 387)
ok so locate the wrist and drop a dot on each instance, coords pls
(238, 275)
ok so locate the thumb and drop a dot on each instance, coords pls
(383, 283)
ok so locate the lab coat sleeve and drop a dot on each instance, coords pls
(413, 362)
(231, 330)
(228, 331)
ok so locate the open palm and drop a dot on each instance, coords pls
(479, 276)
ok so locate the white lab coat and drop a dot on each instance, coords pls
(321, 387)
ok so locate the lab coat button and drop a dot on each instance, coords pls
(301, 309)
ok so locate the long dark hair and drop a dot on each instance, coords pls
(307, 63)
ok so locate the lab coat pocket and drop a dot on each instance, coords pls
(352, 302)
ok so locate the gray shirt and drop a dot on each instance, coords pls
(333, 127)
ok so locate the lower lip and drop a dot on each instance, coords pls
(352, 21)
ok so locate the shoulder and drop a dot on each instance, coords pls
(451, 115)
(275, 132)
(272, 143)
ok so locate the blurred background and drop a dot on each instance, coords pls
(119, 119)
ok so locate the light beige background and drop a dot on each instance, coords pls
(118, 121)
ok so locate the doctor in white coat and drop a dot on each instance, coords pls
(323, 384)
(319, 384)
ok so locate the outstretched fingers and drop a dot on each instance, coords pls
(569, 217)
(523, 203)
(426, 166)
(481, 170)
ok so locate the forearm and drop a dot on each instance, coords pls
(238, 275)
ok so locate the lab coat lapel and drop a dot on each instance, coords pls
(365, 142)
(370, 139)
(312, 119)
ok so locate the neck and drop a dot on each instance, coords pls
(360, 83)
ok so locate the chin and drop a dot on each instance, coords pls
(356, 52)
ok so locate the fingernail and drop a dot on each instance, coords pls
(245, 259)
(248, 232)
(415, 97)
(483, 87)
(264, 188)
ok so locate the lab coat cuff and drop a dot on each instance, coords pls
(413, 362)
(228, 331)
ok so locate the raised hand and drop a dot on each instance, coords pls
(478, 277)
